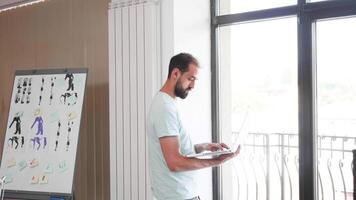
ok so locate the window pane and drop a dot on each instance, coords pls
(258, 85)
(336, 105)
(317, 0)
(239, 6)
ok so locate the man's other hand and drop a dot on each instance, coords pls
(210, 147)
(225, 157)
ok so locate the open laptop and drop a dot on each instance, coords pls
(239, 140)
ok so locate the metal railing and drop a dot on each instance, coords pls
(268, 167)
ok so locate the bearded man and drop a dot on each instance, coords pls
(171, 171)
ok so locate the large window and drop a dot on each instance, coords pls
(336, 105)
(283, 73)
(239, 6)
(259, 95)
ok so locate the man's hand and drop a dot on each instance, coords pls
(177, 162)
(225, 157)
(210, 147)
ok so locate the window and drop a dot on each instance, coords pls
(258, 74)
(284, 68)
(239, 6)
(336, 106)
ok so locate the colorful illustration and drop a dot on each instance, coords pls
(10, 162)
(8, 178)
(42, 131)
(33, 163)
(49, 169)
(34, 179)
(39, 122)
(54, 117)
(21, 165)
(43, 179)
(62, 166)
(36, 141)
(39, 140)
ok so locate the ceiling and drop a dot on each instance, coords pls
(10, 4)
(4, 3)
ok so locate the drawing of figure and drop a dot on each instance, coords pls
(12, 140)
(23, 95)
(52, 86)
(28, 95)
(44, 142)
(29, 91)
(39, 122)
(22, 141)
(70, 124)
(69, 98)
(17, 119)
(58, 134)
(18, 94)
(25, 82)
(68, 143)
(40, 98)
(55, 149)
(37, 140)
(19, 81)
(24, 86)
(16, 140)
(17, 97)
(71, 117)
(70, 81)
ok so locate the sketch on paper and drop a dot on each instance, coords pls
(42, 85)
(42, 132)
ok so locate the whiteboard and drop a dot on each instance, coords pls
(42, 130)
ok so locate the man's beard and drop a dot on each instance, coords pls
(179, 91)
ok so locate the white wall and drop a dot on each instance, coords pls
(190, 21)
(184, 27)
(167, 33)
(135, 75)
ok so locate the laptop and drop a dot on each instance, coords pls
(239, 140)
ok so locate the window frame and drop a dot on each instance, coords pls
(307, 14)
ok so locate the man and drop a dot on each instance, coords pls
(168, 143)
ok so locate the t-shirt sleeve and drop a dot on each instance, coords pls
(166, 122)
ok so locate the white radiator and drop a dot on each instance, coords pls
(134, 54)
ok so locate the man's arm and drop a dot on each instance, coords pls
(177, 162)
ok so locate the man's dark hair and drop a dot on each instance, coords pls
(181, 61)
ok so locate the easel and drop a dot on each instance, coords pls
(33, 195)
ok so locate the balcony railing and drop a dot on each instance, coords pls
(268, 167)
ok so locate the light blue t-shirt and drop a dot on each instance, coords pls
(164, 120)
